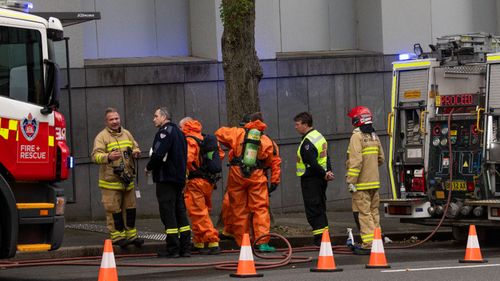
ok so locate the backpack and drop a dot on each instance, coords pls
(211, 164)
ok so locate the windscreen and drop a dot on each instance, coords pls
(21, 64)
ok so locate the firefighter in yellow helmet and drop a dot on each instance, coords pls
(364, 156)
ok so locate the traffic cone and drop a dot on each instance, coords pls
(472, 252)
(326, 262)
(107, 272)
(377, 255)
(246, 266)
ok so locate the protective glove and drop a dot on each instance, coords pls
(352, 188)
(272, 187)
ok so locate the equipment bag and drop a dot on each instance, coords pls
(210, 162)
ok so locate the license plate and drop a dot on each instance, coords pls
(456, 186)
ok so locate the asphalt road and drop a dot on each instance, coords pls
(432, 261)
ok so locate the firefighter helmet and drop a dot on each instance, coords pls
(360, 116)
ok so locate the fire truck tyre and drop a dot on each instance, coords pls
(460, 233)
(482, 234)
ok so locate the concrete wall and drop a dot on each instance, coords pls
(369, 29)
(203, 28)
(343, 24)
(150, 28)
(130, 28)
(406, 22)
(74, 32)
(327, 87)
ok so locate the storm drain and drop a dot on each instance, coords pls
(102, 229)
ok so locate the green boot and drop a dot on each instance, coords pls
(266, 248)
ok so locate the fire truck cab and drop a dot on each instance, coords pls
(33, 150)
(444, 155)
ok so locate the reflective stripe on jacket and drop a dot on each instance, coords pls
(317, 139)
(364, 156)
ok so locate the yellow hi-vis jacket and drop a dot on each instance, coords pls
(364, 156)
(317, 139)
(107, 141)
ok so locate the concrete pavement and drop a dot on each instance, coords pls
(87, 238)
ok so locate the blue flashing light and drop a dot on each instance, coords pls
(19, 5)
(28, 6)
(71, 162)
(407, 56)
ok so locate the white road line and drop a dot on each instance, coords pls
(438, 268)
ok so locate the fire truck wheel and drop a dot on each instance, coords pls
(460, 233)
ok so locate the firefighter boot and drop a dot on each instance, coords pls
(213, 248)
(118, 236)
(131, 231)
(356, 219)
(185, 244)
(199, 248)
(360, 250)
(172, 247)
(317, 239)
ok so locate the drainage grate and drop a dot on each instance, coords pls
(102, 229)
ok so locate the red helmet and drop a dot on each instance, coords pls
(360, 116)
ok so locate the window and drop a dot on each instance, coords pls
(21, 64)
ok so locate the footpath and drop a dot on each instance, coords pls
(87, 238)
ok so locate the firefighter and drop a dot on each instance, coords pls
(198, 193)
(314, 170)
(364, 156)
(250, 150)
(113, 150)
(168, 165)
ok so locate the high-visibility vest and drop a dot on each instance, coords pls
(321, 145)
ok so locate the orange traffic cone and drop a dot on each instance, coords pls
(107, 272)
(377, 255)
(246, 266)
(326, 262)
(472, 252)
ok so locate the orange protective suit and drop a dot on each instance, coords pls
(198, 192)
(275, 168)
(247, 194)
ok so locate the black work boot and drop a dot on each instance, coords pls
(122, 243)
(136, 241)
(213, 248)
(185, 244)
(357, 250)
(172, 247)
(167, 254)
(120, 239)
(317, 240)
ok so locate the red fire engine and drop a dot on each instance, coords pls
(33, 150)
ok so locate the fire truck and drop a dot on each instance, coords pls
(33, 150)
(444, 151)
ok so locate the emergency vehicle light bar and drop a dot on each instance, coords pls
(23, 6)
(407, 56)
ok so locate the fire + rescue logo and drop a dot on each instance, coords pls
(29, 127)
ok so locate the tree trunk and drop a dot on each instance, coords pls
(242, 70)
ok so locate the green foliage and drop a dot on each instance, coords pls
(234, 12)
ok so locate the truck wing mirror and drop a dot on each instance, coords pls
(51, 87)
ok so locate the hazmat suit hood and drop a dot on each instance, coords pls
(257, 124)
(192, 127)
